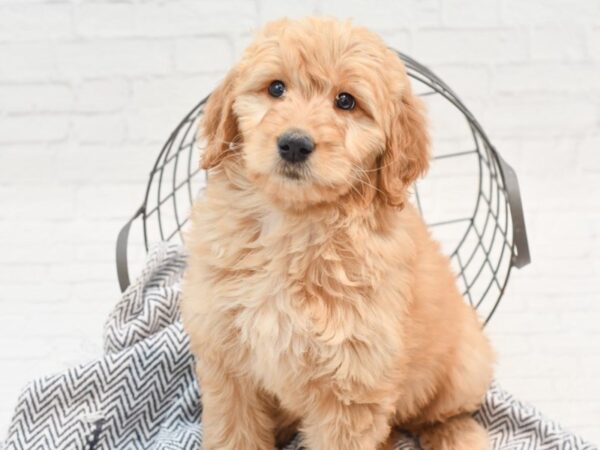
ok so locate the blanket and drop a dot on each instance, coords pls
(142, 392)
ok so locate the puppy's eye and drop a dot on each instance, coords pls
(345, 101)
(276, 88)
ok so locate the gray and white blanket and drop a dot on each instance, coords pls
(142, 394)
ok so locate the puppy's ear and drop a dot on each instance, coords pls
(219, 124)
(406, 156)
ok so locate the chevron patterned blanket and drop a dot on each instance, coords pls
(142, 393)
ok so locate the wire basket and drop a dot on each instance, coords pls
(470, 198)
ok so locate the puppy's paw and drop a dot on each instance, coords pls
(458, 433)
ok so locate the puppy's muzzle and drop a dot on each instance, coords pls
(295, 146)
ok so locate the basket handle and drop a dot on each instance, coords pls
(122, 242)
(511, 184)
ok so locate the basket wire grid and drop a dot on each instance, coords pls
(480, 225)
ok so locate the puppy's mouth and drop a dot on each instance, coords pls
(295, 171)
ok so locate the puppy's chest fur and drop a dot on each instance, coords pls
(300, 297)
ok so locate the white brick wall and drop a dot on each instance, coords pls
(89, 90)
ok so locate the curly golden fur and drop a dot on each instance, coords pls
(319, 302)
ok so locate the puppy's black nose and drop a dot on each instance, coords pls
(295, 146)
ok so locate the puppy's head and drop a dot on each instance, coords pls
(315, 112)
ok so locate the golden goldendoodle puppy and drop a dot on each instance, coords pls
(315, 298)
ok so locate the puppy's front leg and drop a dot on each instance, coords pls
(234, 414)
(333, 425)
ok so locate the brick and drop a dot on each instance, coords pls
(547, 196)
(593, 39)
(181, 92)
(202, 55)
(26, 163)
(104, 19)
(400, 40)
(549, 12)
(447, 123)
(77, 273)
(98, 292)
(592, 364)
(510, 344)
(474, 46)
(102, 95)
(52, 324)
(42, 21)
(107, 58)
(15, 231)
(589, 432)
(152, 126)
(29, 348)
(269, 10)
(528, 323)
(46, 292)
(22, 273)
(104, 231)
(558, 44)
(413, 12)
(25, 202)
(34, 128)
(571, 412)
(568, 342)
(587, 325)
(542, 367)
(569, 223)
(99, 128)
(27, 98)
(105, 201)
(469, 81)
(589, 160)
(94, 252)
(28, 61)
(85, 163)
(564, 304)
(544, 285)
(539, 116)
(474, 13)
(184, 18)
(513, 302)
(241, 41)
(511, 150)
(538, 389)
(535, 161)
(426, 13)
(552, 78)
(26, 369)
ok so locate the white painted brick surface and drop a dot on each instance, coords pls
(90, 90)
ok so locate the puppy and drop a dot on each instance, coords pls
(315, 298)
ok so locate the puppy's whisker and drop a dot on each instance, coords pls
(235, 141)
(378, 168)
(354, 188)
(362, 181)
